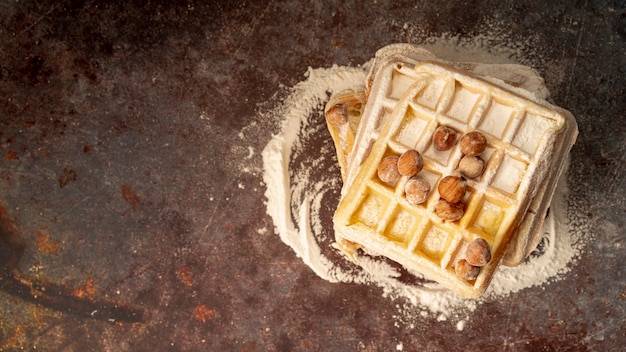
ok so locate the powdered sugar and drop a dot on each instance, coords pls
(292, 196)
(303, 185)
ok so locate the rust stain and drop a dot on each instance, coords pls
(337, 42)
(130, 196)
(202, 313)
(45, 244)
(249, 346)
(6, 223)
(306, 344)
(68, 176)
(81, 301)
(16, 341)
(12, 155)
(185, 275)
(88, 290)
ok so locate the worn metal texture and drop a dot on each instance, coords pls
(128, 221)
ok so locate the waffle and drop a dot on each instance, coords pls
(392, 73)
(525, 139)
(392, 66)
(343, 114)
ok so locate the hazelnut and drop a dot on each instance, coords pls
(444, 138)
(452, 189)
(473, 143)
(337, 115)
(410, 163)
(417, 189)
(388, 169)
(471, 166)
(465, 270)
(449, 211)
(478, 252)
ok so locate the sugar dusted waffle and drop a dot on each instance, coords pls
(343, 114)
(524, 140)
(390, 76)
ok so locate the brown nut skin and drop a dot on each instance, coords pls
(473, 143)
(466, 271)
(478, 252)
(444, 138)
(416, 190)
(388, 169)
(471, 166)
(410, 163)
(452, 189)
(449, 211)
(337, 115)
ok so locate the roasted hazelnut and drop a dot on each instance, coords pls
(417, 190)
(473, 143)
(452, 189)
(444, 138)
(410, 163)
(466, 271)
(471, 166)
(449, 211)
(337, 115)
(478, 252)
(388, 169)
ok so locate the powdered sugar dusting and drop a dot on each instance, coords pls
(292, 196)
(303, 185)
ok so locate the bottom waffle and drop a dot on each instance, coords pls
(343, 114)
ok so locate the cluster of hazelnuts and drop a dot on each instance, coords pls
(451, 188)
(472, 145)
(408, 164)
(477, 255)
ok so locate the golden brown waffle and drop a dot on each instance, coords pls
(523, 138)
(392, 68)
(392, 73)
(343, 114)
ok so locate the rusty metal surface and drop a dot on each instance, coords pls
(127, 222)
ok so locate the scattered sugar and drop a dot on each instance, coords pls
(460, 325)
(250, 153)
(295, 199)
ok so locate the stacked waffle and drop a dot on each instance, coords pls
(446, 171)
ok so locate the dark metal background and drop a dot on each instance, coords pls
(128, 222)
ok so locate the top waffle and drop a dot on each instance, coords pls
(523, 140)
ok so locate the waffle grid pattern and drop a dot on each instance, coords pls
(519, 138)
